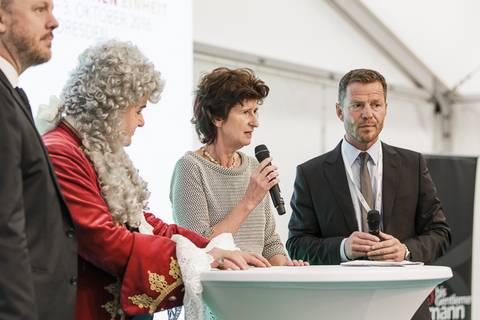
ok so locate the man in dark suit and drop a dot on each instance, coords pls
(38, 260)
(334, 192)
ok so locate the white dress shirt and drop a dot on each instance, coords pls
(9, 71)
(352, 160)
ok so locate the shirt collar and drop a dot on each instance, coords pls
(9, 71)
(351, 152)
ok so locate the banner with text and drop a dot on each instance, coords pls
(455, 181)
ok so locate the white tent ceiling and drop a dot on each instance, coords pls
(428, 47)
(442, 34)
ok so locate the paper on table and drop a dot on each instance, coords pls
(371, 263)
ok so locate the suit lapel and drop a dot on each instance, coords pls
(337, 178)
(25, 109)
(391, 165)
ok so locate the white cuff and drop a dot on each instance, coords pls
(343, 256)
(193, 261)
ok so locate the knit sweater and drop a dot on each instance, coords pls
(203, 193)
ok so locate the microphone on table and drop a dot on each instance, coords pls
(373, 219)
(261, 153)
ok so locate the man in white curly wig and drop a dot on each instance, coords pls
(127, 262)
(38, 257)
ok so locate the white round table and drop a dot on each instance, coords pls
(320, 292)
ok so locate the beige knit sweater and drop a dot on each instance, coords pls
(203, 193)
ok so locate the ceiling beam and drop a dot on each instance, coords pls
(385, 40)
(467, 99)
(209, 50)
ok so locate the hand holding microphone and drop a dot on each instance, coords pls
(262, 153)
(389, 248)
(373, 220)
(359, 244)
(262, 179)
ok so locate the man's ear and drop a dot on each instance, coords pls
(339, 111)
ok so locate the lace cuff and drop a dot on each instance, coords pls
(193, 261)
(48, 116)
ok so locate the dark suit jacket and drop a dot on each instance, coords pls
(38, 259)
(323, 213)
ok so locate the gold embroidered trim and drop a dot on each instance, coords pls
(159, 285)
(113, 307)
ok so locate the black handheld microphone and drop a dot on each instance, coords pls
(261, 153)
(373, 219)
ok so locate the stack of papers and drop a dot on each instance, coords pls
(371, 263)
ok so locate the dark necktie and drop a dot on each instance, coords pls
(365, 188)
(24, 98)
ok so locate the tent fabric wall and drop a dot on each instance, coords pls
(307, 32)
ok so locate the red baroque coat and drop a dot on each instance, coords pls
(120, 272)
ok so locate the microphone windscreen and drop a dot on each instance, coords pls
(261, 152)
(373, 219)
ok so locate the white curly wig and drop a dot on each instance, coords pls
(110, 78)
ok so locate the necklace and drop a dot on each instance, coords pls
(233, 161)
